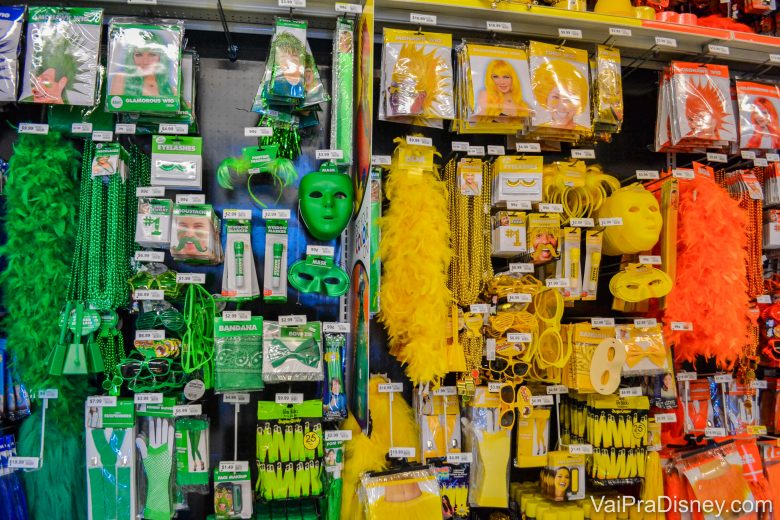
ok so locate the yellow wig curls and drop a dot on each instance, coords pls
(422, 70)
(415, 252)
(563, 75)
(495, 99)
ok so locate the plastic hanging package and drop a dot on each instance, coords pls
(341, 123)
(192, 454)
(11, 488)
(144, 65)
(608, 94)
(11, 19)
(238, 358)
(156, 443)
(153, 223)
(314, 92)
(292, 352)
(411, 494)
(195, 234)
(275, 268)
(177, 162)
(61, 61)
(283, 82)
(232, 493)
(333, 463)
(239, 277)
(334, 398)
(759, 115)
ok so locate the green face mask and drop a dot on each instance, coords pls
(326, 199)
(318, 274)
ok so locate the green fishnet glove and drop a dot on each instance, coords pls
(157, 466)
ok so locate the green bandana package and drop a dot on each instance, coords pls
(110, 159)
(61, 63)
(195, 234)
(177, 162)
(155, 444)
(153, 224)
(238, 357)
(343, 85)
(239, 278)
(292, 352)
(334, 398)
(274, 279)
(144, 66)
(192, 454)
(233, 492)
(10, 35)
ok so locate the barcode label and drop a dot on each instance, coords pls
(683, 326)
(583, 154)
(150, 256)
(496, 150)
(422, 19)
(499, 27)
(611, 221)
(460, 146)
(518, 298)
(293, 319)
(665, 418)
(149, 294)
(683, 173)
(602, 322)
(190, 277)
(81, 128)
(459, 458)
(723, 378)
(570, 33)
(237, 214)
(494, 387)
(490, 349)
(581, 449)
(187, 410)
(619, 31)
(342, 7)
(33, 128)
(687, 376)
(542, 400)
(759, 384)
(557, 389)
(335, 327)
(101, 401)
(445, 390)
(774, 58)
(402, 453)
(476, 151)
(288, 398)
(23, 462)
(647, 175)
(337, 435)
(519, 337)
(150, 335)
(237, 315)
(148, 398)
(547, 207)
(521, 268)
(717, 157)
(581, 222)
(234, 466)
(557, 283)
(645, 322)
(381, 160)
(102, 136)
(52, 393)
(714, 432)
(320, 250)
(760, 162)
(236, 398)
(650, 259)
(172, 128)
(772, 157)
(518, 204)
(718, 49)
(748, 154)
(763, 298)
(279, 214)
(663, 41)
(634, 391)
(124, 129)
(479, 308)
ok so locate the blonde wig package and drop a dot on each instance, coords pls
(608, 95)
(411, 494)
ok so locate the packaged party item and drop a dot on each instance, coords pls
(509, 234)
(333, 463)
(334, 398)
(645, 350)
(593, 245)
(153, 223)
(544, 237)
(195, 234)
(156, 443)
(283, 82)
(759, 122)
(61, 61)
(274, 279)
(239, 277)
(109, 159)
(292, 352)
(533, 439)
(608, 91)
(144, 65)
(413, 493)
(439, 416)
(11, 19)
(177, 162)
(771, 234)
(564, 477)
(341, 124)
(454, 485)
(517, 178)
(233, 491)
(238, 356)
(192, 454)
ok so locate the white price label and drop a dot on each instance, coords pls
(459, 458)
(288, 398)
(150, 256)
(124, 129)
(150, 191)
(336, 327)
(187, 410)
(644, 323)
(416, 140)
(52, 393)
(381, 160)
(773, 157)
(687, 376)
(583, 153)
(342, 7)
(570, 33)
(748, 154)
(619, 31)
(149, 294)
(33, 128)
(490, 349)
(518, 204)
(81, 128)
(328, 155)
(557, 389)
(763, 298)
(100, 401)
(683, 326)
(547, 207)
(519, 337)
(634, 391)
(723, 378)
(498, 26)
(759, 384)
(650, 259)
(528, 147)
(258, 131)
(387, 388)
(557, 283)
(173, 128)
(233, 466)
(644, 175)
(663, 41)
(292, 319)
(714, 432)
(476, 151)
(602, 322)
(23, 462)
(518, 298)
(494, 387)
(611, 221)
(581, 449)
(665, 418)
(496, 150)
(581, 222)
(148, 398)
(717, 157)
(337, 435)
(102, 136)
(683, 173)
(774, 58)
(479, 308)
(721, 50)
(279, 214)
(142, 2)
(460, 146)
(422, 19)
(236, 398)
(237, 315)
(190, 277)
(521, 268)
(760, 162)
(320, 250)
(237, 214)
(150, 335)
(190, 199)
(542, 400)
(402, 453)
(445, 390)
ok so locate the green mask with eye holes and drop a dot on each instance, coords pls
(326, 198)
(318, 274)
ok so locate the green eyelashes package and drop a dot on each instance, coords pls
(192, 454)
(11, 19)
(61, 62)
(238, 357)
(292, 352)
(177, 162)
(144, 66)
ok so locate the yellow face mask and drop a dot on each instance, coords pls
(639, 282)
(642, 221)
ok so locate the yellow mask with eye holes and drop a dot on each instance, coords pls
(642, 221)
(639, 282)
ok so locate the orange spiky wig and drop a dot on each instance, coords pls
(417, 81)
(705, 110)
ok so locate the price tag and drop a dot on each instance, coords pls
(173, 128)
(557, 389)
(528, 147)
(687, 376)
(292, 319)
(496, 150)
(494, 387)
(33, 128)
(142, 2)
(774, 58)
(236, 398)
(773, 157)
(416, 140)
(650, 259)
(547, 207)
(570, 33)
(460, 146)
(683, 173)
(583, 153)
(611, 221)
(279, 214)
(759, 384)
(190, 199)
(557, 283)
(581, 222)
(187, 410)
(150, 335)
(645, 323)
(150, 191)
(721, 50)
(665, 418)
(337, 435)
(760, 162)
(258, 131)
(190, 277)
(602, 322)
(644, 175)
(519, 337)
(662, 41)
(634, 391)
(233, 466)
(445, 390)
(101, 401)
(717, 157)
(102, 136)
(518, 298)
(422, 19)
(381, 160)
(490, 349)
(683, 326)
(237, 214)
(518, 204)
(521, 268)
(327, 155)
(387, 388)
(320, 250)
(341, 7)
(237, 315)
(150, 256)
(459, 458)
(581, 449)
(81, 128)
(402, 453)
(149, 294)
(148, 398)
(476, 151)
(499, 27)
(714, 432)
(288, 398)
(748, 154)
(124, 129)
(479, 308)
(542, 400)
(23, 462)
(336, 327)
(723, 378)
(763, 298)
(53, 393)
(756, 429)
(619, 31)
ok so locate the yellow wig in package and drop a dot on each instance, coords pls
(409, 495)
(608, 97)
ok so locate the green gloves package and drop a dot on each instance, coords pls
(155, 447)
(238, 345)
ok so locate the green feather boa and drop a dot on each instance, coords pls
(40, 222)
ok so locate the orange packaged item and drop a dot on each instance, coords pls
(759, 124)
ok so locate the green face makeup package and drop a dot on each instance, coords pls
(238, 349)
